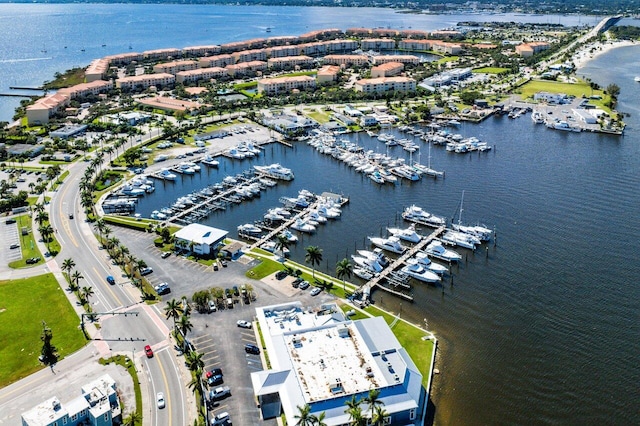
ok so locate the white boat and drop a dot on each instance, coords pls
(407, 234)
(416, 214)
(186, 169)
(275, 171)
(480, 232)
(637, 78)
(423, 259)
(329, 212)
(391, 244)
(236, 154)
(376, 255)
(302, 226)
(273, 217)
(167, 174)
(563, 125)
(316, 217)
(437, 250)
(362, 273)
(210, 161)
(368, 264)
(387, 176)
(289, 236)
(461, 239)
(537, 117)
(250, 229)
(420, 273)
(299, 202)
(271, 247)
(158, 215)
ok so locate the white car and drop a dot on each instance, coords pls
(160, 399)
(221, 419)
(316, 291)
(212, 306)
(244, 324)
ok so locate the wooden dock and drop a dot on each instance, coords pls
(376, 281)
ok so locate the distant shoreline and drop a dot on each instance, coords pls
(583, 56)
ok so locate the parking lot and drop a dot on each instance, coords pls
(216, 335)
(11, 244)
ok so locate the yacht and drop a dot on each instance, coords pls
(537, 117)
(210, 161)
(158, 215)
(637, 78)
(367, 264)
(376, 255)
(303, 226)
(166, 174)
(387, 176)
(272, 247)
(275, 171)
(249, 229)
(329, 212)
(416, 214)
(461, 239)
(297, 203)
(186, 169)
(391, 244)
(289, 236)
(563, 125)
(419, 272)
(437, 250)
(377, 178)
(478, 231)
(407, 234)
(316, 217)
(422, 258)
(273, 216)
(362, 273)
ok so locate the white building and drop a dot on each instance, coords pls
(322, 359)
(200, 239)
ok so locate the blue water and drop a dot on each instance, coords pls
(543, 331)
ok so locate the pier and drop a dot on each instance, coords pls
(388, 272)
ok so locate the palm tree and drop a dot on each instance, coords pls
(194, 361)
(75, 280)
(173, 310)
(68, 265)
(196, 382)
(133, 419)
(314, 257)
(282, 243)
(184, 324)
(319, 419)
(373, 400)
(304, 416)
(38, 207)
(99, 226)
(344, 268)
(42, 217)
(87, 292)
(379, 416)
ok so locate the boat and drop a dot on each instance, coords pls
(423, 259)
(249, 229)
(481, 232)
(407, 234)
(183, 168)
(275, 171)
(377, 178)
(416, 214)
(316, 217)
(637, 78)
(289, 236)
(303, 226)
(272, 247)
(419, 272)
(387, 176)
(329, 212)
(210, 161)
(391, 244)
(273, 216)
(537, 117)
(367, 264)
(158, 215)
(563, 125)
(376, 255)
(297, 203)
(460, 239)
(362, 273)
(437, 250)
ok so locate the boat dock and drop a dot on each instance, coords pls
(389, 275)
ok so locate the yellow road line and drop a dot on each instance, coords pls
(66, 222)
(166, 386)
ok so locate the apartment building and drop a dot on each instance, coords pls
(289, 62)
(346, 60)
(404, 59)
(282, 51)
(280, 85)
(250, 55)
(175, 67)
(386, 84)
(159, 54)
(327, 74)
(97, 70)
(341, 45)
(145, 81)
(527, 50)
(244, 68)
(194, 76)
(196, 51)
(388, 69)
(216, 61)
(377, 44)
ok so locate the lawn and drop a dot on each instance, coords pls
(490, 70)
(579, 89)
(28, 245)
(125, 362)
(447, 59)
(129, 222)
(20, 333)
(320, 117)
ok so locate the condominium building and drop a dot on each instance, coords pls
(446, 47)
(405, 59)
(346, 60)
(85, 89)
(377, 44)
(175, 67)
(320, 35)
(527, 50)
(97, 406)
(386, 84)
(196, 51)
(322, 360)
(327, 74)
(124, 58)
(388, 69)
(145, 81)
(96, 70)
(282, 40)
(41, 110)
(237, 46)
(316, 48)
(289, 62)
(244, 68)
(282, 51)
(341, 45)
(414, 45)
(194, 76)
(216, 61)
(161, 54)
(250, 55)
(279, 85)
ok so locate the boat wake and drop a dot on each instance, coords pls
(11, 61)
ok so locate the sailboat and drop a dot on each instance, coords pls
(481, 232)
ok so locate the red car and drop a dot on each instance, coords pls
(148, 351)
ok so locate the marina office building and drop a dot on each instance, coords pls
(321, 358)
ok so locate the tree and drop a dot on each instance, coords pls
(319, 419)
(379, 415)
(373, 400)
(304, 416)
(173, 310)
(313, 257)
(75, 280)
(201, 299)
(614, 90)
(133, 419)
(87, 292)
(48, 353)
(68, 265)
(194, 361)
(344, 268)
(185, 326)
(282, 243)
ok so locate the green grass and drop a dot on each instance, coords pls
(125, 362)
(298, 73)
(264, 268)
(24, 304)
(579, 89)
(320, 117)
(59, 180)
(447, 59)
(28, 244)
(129, 222)
(491, 70)
(245, 86)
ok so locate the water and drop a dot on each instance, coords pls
(544, 331)
(38, 40)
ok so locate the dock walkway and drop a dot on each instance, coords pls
(376, 281)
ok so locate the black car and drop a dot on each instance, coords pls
(214, 379)
(163, 288)
(228, 293)
(296, 282)
(280, 275)
(14, 246)
(236, 291)
(10, 221)
(32, 260)
(251, 349)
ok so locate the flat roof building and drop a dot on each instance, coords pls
(200, 239)
(200, 74)
(385, 84)
(279, 85)
(320, 358)
(144, 81)
(346, 60)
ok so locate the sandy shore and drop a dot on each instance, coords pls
(593, 50)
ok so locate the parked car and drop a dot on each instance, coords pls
(160, 399)
(10, 221)
(280, 275)
(251, 349)
(148, 351)
(214, 379)
(111, 280)
(244, 324)
(304, 285)
(236, 291)
(163, 288)
(296, 282)
(316, 291)
(219, 393)
(221, 419)
(223, 263)
(14, 246)
(228, 292)
(146, 271)
(165, 254)
(212, 306)
(32, 260)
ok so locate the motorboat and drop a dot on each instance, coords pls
(250, 229)
(391, 244)
(316, 217)
(563, 125)
(363, 273)
(637, 79)
(236, 154)
(461, 239)
(298, 203)
(186, 169)
(377, 178)
(437, 250)
(407, 234)
(480, 232)
(422, 258)
(157, 215)
(329, 212)
(416, 214)
(376, 255)
(275, 171)
(281, 212)
(303, 226)
(289, 236)
(273, 217)
(419, 272)
(272, 247)
(166, 174)
(210, 161)
(387, 176)
(368, 264)
(537, 117)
